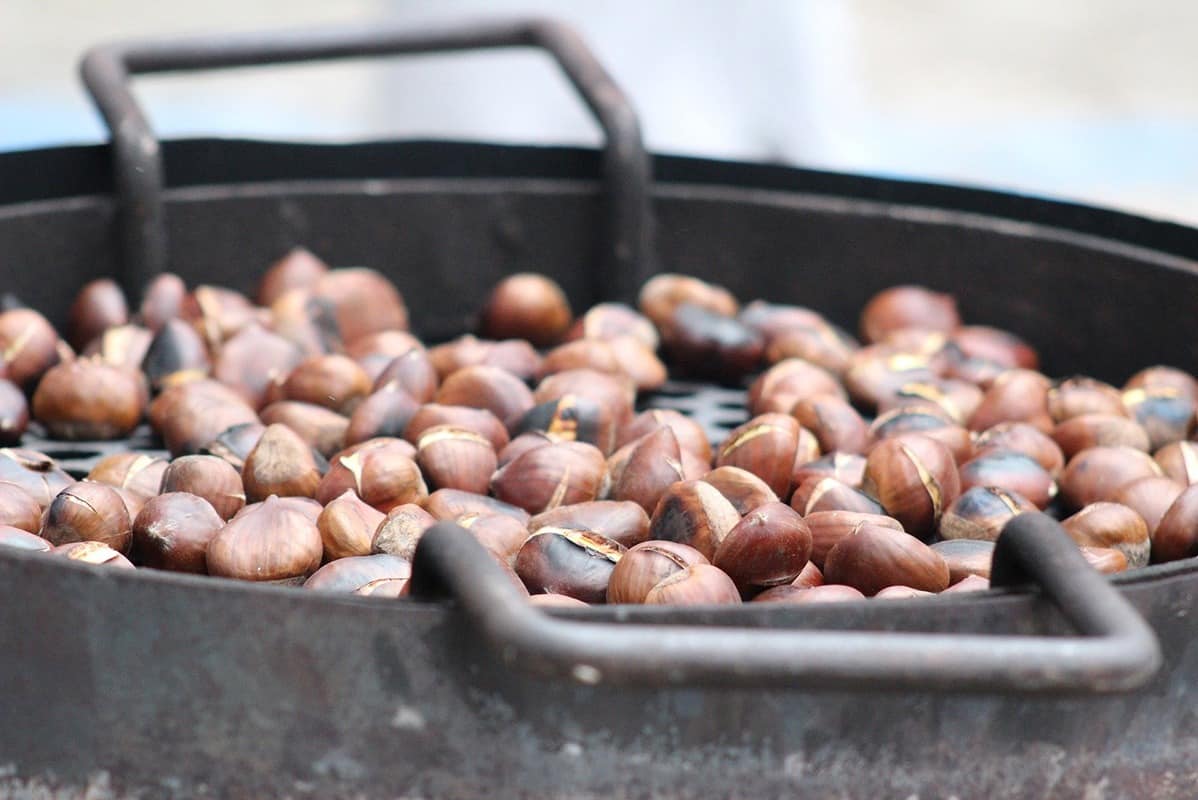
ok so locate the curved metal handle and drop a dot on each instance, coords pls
(138, 159)
(1116, 652)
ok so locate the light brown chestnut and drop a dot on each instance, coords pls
(693, 513)
(995, 345)
(88, 512)
(970, 583)
(400, 530)
(810, 576)
(928, 422)
(565, 561)
(1022, 438)
(1014, 472)
(828, 494)
(88, 399)
(172, 531)
(363, 301)
(915, 479)
(696, 585)
(253, 360)
(1074, 397)
(768, 547)
(646, 565)
(379, 575)
(902, 307)
(1096, 472)
(956, 398)
(380, 471)
(162, 300)
(1105, 560)
(1149, 497)
(347, 526)
(522, 444)
(499, 533)
(981, 512)
(1176, 536)
(552, 600)
(744, 490)
(1111, 525)
(123, 346)
(1099, 430)
(873, 557)
(546, 477)
(96, 553)
(877, 375)
(900, 593)
(514, 355)
(386, 412)
(209, 477)
(322, 429)
(822, 344)
(765, 446)
(455, 458)
(412, 371)
(1017, 395)
(135, 472)
(527, 306)
(280, 464)
(191, 415)
(1179, 461)
(654, 464)
(479, 420)
(272, 542)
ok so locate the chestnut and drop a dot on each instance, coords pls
(901, 307)
(1105, 560)
(1161, 377)
(280, 464)
(575, 563)
(172, 531)
(765, 446)
(29, 345)
(479, 420)
(828, 494)
(34, 472)
(1150, 497)
(663, 294)
(829, 527)
(380, 575)
(954, 398)
(826, 593)
(297, 269)
(1166, 415)
(1111, 525)
(808, 577)
(774, 319)
(1074, 397)
(123, 346)
(514, 355)
(413, 372)
(96, 553)
(900, 593)
(970, 583)
(835, 423)
(981, 512)
(1099, 430)
(546, 477)
(995, 345)
(1179, 461)
(744, 490)
(525, 442)
(209, 477)
(135, 472)
(88, 399)
(966, 557)
(177, 354)
(926, 422)
(219, 313)
(693, 513)
(610, 321)
(401, 529)
(19, 509)
(915, 479)
(1017, 395)
(1022, 438)
(88, 512)
(253, 360)
(1096, 472)
(1176, 535)
(614, 393)
(234, 443)
(876, 375)
(322, 429)
(374, 352)
(162, 300)
(20, 539)
(619, 520)
(783, 385)
(308, 321)
(706, 344)
(453, 503)
(647, 564)
(822, 344)
(455, 458)
(100, 305)
(300, 505)
(333, 381)
(386, 412)
(347, 526)
(690, 434)
(654, 464)
(363, 301)
(499, 533)
(698, 584)
(1015, 472)
(492, 388)
(527, 306)
(272, 542)
(768, 547)
(873, 557)
(379, 471)
(571, 418)
(593, 354)
(848, 468)
(191, 415)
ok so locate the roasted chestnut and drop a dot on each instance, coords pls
(546, 477)
(413, 371)
(191, 415)
(280, 464)
(915, 479)
(527, 306)
(835, 423)
(571, 418)
(788, 382)
(1096, 472)
(29, 344)
(1167, 415)
(363, 301)
(696, 585)
(768, 547)
(379, 575)
(646, 565)
(740, 487)
(704, 343)
(1099, 430)
(347, 526)
(177, 354)
(162, 300)
(514, 355)
(654, 464)
(1150, 497)
(19, 509)
(401, 529)
(1014, 472)
(829, 527)
(765, 446)
(565, 561)
(873, 557)
(662, 295)
(209, 477)
(693, 513)
(1177, 534)
(88, 512)
(253, 361)
(322, 429)
(99, 306)
(994, 345)
(621, 521)
(453, 503)
(1017, 395)
(902, 307)
(829, 494)
(1022, 438)
(690, 434)
(135, 472)
(934, 424)
(610, 321)
(88, 399)
(273, 542)
(981, 512)
(848, 468)
(298, 269)
(1074, 397)
(1179, 461)
(333, 381)
(172, 531)
(34, 472)
(96, 553)
(966, 557)
(1114, 526)
(379, 471)
(499, 533)
(455, 458)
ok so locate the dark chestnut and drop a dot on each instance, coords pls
(234, 443)
(386, 412)
(1022, 438)
(491, 388)
(172, 531)
(1114, 526)
(1176, 536)
(1015, 472)
(768, 547)
(571, 418)
(177, 354)
(706, 344)
(621, 521)
(1167, 415)
(915, 479)
(765, 446)
(981, 512)
(575, 563)
(527, 306)
(88, 512)
(654, 464)
(902, 307)
(693, 513)
(744, 490)
(546, 477)
(379, 575)
(873, 557)
(927, 422)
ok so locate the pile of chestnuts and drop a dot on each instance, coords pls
(314, 439)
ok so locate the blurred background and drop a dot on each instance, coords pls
(1095, 100)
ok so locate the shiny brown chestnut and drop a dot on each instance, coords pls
(1076, 396)
(280, 464)
(34, 472)
(272, 541)
(621, 521)
(696, 585)
(88, 399)
(219, 313)
(206, 476)
(690, 434)
(455, 458)
(901, 307)
(958, 399)
(546, 477)
(571, 418)
(172, 531)
(647, 564)
(234, 443)
(1150, 497)
(1017, 395)
(808, 577)
(1096, 472)
(662, 295)
(826, 593)
(177, 354)
(765, 446)
(380, 471)
(614, 393)
(1176, 536)
(706, 344)
(413, 372)
(829, 527)
(785, 384)
(981, 512)
(19, 509)
(927, 422)
(333, 381)
(297, 269)
(1099, 430)
(253, 360)
(873, 557)
(20, 539)
(828, 494)
(774, 319)
(96, 553)
(347, 526)
(363, 301)
(915, 479)
(527, 306)
(100, 305)
(1179, 461)
(1105, 560)
(1022, 438)
(135, 472)
(1014, 472)
(453, 503)
(322, 429)
(400, 530)
(479, 420)
(1167, 415)
(995, 345)
(835, 424)
(514, 355)
(565, 561)
(29, 344)
(876, 375)
(611, 321)
(693, 513)
(491, 388)
(191, 415)
(522, 444)
(499, 533)
(768, 547)
(379, 575)
(1114, 526)
(744, 490)
(848, 468)
(88, 512)
(966, 557)
(653, 465)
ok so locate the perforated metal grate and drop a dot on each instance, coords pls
(718, 409)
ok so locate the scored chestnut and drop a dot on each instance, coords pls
(88, 512)
(575, 563)
(873, 557)
(768, 547)
(915, 479)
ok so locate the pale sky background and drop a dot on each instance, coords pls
(1086, 99)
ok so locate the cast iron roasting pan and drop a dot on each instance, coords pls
(150, 684)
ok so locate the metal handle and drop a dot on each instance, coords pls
(1117, 650)
(138, 159)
